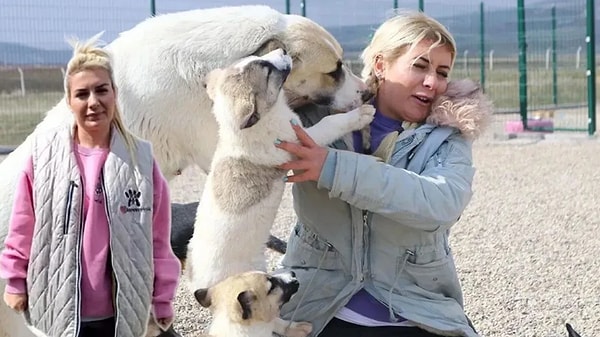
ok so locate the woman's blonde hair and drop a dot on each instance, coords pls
(398, 35)
(88, 55)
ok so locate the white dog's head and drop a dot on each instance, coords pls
(248, 298)
(249, 89)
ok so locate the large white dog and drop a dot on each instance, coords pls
(160, 66)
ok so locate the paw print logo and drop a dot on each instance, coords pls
(133, 197)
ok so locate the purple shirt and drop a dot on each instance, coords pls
(380, 127)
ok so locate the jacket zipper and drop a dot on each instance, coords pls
(67, 216)
(365, 239)
(79, 247)
(112, 260)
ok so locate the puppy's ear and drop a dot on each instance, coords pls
(247, 111)
(202, 297)
(210, 82)
(246, 298)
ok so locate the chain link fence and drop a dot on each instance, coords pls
(552, 79)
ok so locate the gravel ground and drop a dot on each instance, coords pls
(526, 247)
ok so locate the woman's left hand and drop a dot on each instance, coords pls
(310, 157)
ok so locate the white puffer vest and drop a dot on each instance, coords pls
(54, 272)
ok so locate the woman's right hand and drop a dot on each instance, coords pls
(17, 302)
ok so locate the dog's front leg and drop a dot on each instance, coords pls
(333, 127)
(292, 329)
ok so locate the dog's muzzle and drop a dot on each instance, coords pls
(288, 283)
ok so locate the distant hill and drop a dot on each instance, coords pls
(12, 54)
(500, 31)
(500, 35)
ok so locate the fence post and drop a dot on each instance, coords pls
(466, 61)
(522, 62)
(554, 60)
(153, 7)
(287, 7)
(303, 7)
(482, 48)
(22, 77)
(422, 5)
(492, 59)
(395, 4)
(590, 41)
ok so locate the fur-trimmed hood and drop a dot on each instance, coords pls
(463, 106)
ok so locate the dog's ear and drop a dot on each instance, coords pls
(247, 109)
(210, 82)
(203, 297)
(571, 331)
(246, 298)
(268, 46)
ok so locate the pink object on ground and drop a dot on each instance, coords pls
(537, 125)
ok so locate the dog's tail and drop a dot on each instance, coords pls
(571, 331)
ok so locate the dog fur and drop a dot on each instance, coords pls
(159, 70)
(247, 304)
(160, 79)
(244, 187)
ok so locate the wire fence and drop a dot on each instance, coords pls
(544, 66)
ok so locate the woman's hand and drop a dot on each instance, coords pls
(17, 302)
(310, 157)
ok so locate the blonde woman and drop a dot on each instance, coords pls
(370, 247)
(88, 250)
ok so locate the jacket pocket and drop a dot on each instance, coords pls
(436, 278)
(68, 207)
(307, 250)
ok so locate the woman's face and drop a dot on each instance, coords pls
(412, 81)
(92, 100)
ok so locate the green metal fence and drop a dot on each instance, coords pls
(534, 58)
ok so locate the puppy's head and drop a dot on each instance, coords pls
(249, 297)
(319, 75)
(249, 88)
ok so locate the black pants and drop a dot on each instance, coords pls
(337, 327)
(103, 328)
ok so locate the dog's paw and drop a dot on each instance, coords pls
(364, 115)
(298, 329)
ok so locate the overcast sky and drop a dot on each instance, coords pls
(46, 23)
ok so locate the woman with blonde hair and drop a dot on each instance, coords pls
(371, 247)
(88, 250)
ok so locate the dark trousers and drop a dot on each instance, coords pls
(103, 328)
(337, 327)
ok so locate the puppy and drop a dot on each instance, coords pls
(244, 187)
(248, 304)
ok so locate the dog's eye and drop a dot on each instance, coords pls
(272, 287)
(337, 73)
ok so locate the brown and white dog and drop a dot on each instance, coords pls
(247, 304)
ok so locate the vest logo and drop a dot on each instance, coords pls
(133, 202)
(134, 198)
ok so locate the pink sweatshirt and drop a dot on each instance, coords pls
(96, 281)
